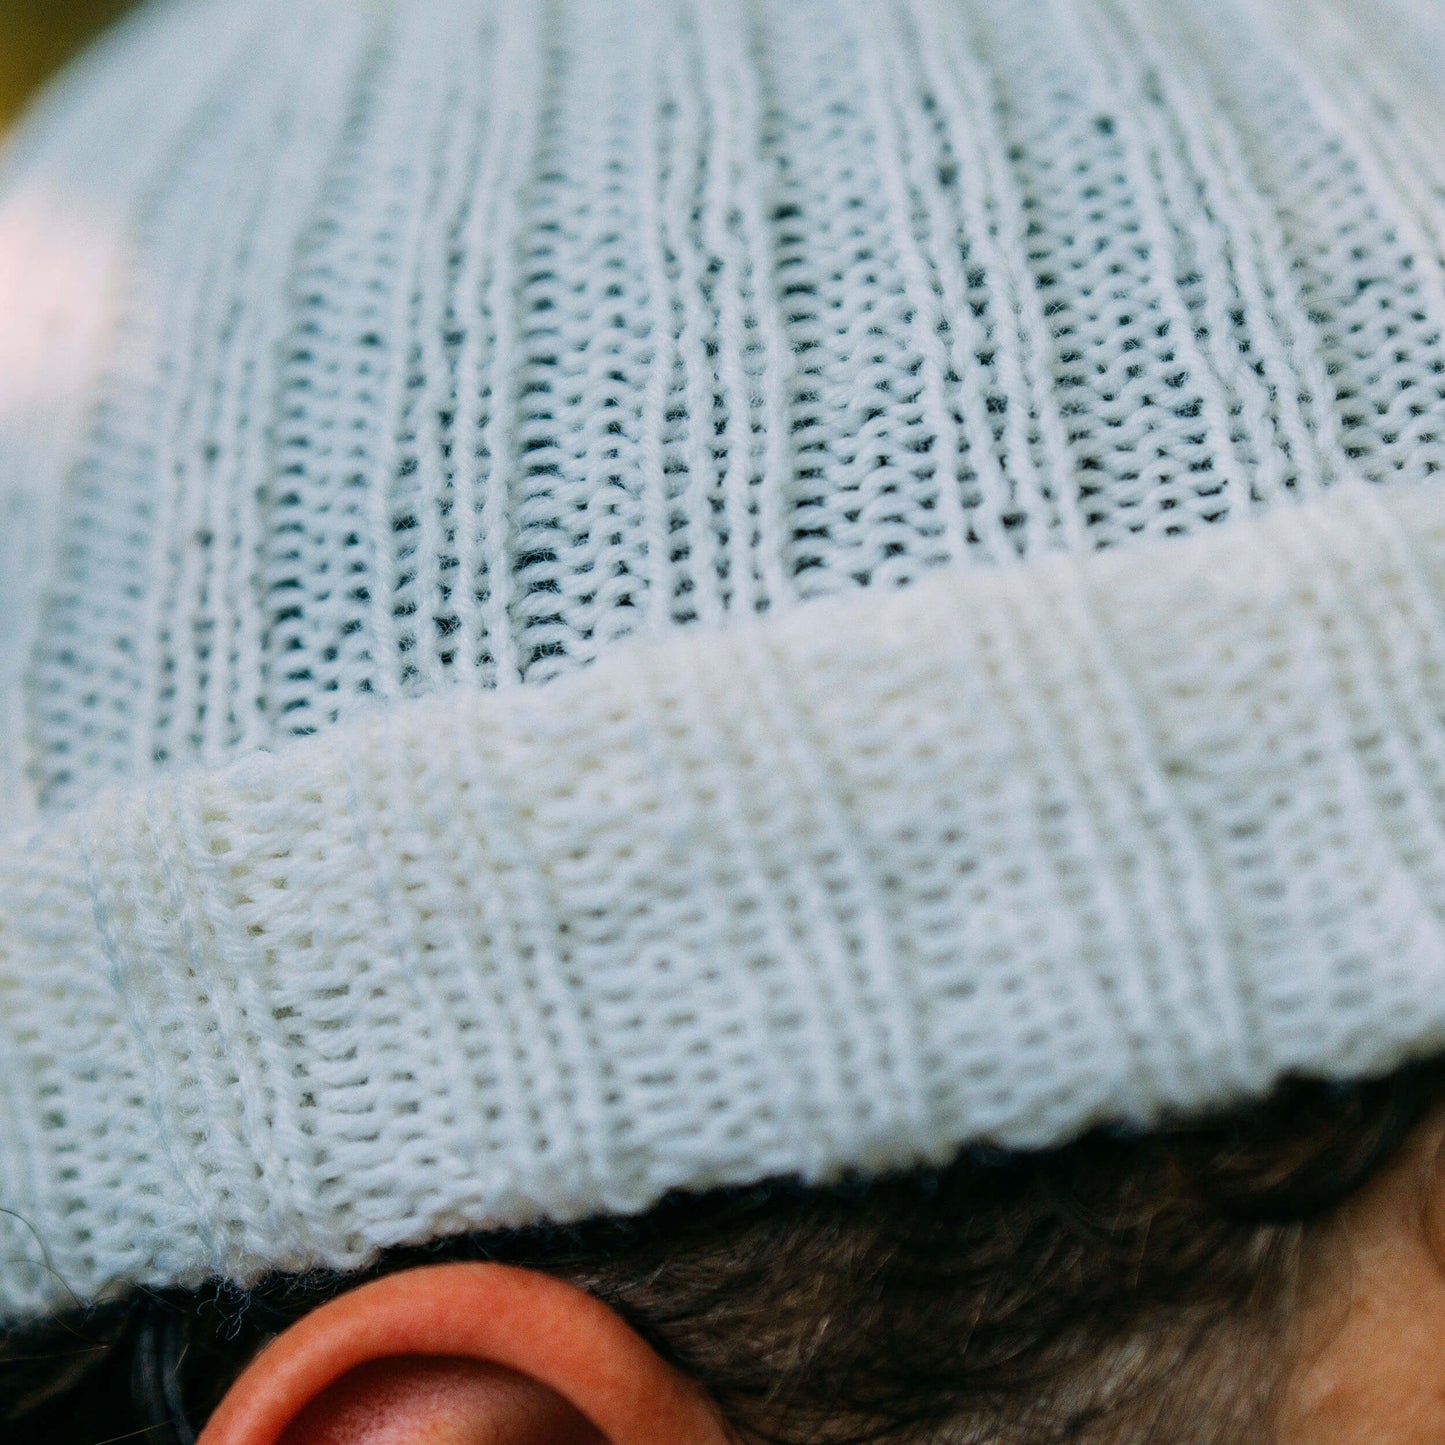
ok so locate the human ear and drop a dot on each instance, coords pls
(463, 1354)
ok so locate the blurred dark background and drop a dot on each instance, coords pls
(38, 36)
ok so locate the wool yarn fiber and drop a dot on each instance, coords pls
(608, 595)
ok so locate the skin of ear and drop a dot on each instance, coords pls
(415, 1400)
(464, 1354)
(1370, 1365)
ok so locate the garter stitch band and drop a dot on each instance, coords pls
(608, 595)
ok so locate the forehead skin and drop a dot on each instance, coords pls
(1370, 1367)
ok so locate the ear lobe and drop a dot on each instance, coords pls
(463, 1354)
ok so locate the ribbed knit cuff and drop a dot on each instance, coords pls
(994, 856)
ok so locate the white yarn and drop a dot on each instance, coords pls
(608, 595)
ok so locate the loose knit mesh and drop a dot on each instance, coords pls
(510, 331)
(605, 596)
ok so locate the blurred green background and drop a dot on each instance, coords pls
(38, 36)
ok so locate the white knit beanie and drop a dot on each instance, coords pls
(608, 595)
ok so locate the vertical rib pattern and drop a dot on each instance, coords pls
(608, 595)
(586, 321)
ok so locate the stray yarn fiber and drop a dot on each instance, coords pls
(599, 596)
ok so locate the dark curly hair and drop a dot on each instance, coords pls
(1122, 1288)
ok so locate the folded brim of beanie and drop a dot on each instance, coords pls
(994, 857)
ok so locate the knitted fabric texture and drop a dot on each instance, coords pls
(608, 595)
